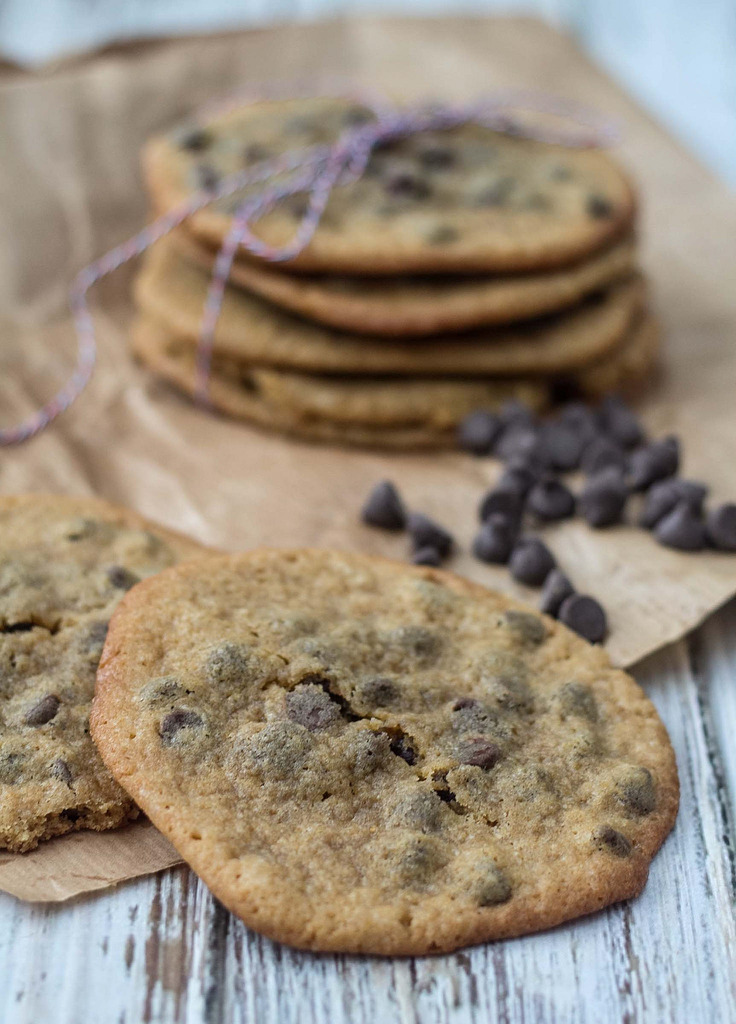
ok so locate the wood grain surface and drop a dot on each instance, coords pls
(160, 948)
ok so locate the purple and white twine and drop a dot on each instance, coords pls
(314, 170)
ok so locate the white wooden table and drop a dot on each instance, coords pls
(163, 949)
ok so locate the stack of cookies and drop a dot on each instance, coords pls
(463, 268)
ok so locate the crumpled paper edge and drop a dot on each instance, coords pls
(83, 862)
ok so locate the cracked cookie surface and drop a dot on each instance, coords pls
(460, 200)
(64, 565)
(356, 755)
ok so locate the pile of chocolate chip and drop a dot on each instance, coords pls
(609, 446)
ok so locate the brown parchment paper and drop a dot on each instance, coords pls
(85, 861)
(70, 189)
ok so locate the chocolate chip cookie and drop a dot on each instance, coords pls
(467, 199)
(413, 306)
(360, 756)
(396, 413)
(64, 565)
(255, 331)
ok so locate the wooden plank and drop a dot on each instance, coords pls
(713, 661)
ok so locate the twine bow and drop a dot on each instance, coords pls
(316, 171)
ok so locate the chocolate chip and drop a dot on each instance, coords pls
(601, 453)
(96, 635)
(497, 194)
(511, 691)
(421, 810)
(550, 499)
(122, 578)
(388, 147)
(436, 157)
(178, 725)
(656, 461)
(356, 116)
(161, 690)
(81, 529)
(560, 172)
(516, 413)
(518, 441)
(491, 885)
(401, 746)
(416, 858)
(425, 532)
(479, 752)
(423, 643)
(635, 790)
(585, 616)
(442, 234)
(603, 498)
(206, 177)
(581, 419)
(662, 497)
(471, 715)
(478, 432)
(377, 691)
(61, 771)
(577, 699)
(613, 841)
(557, 587)
(506, 500)
(510, 126)
(324, 683)
(538, 201)
(194, 140)
(301, 124)
(518, 475)
(495, 539)
(465, 702)
(531, 561)
(682, 528)
(11, 768)
(384, 508)
(311, 706)
(280, 749)
(619, 422)
(721, 527)
(43, 712)
(527, 626)
(405, 185)
(254, 153)
(561, 447)
(228, 664)
(598, 207)
(690, 491)
(427, 555)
